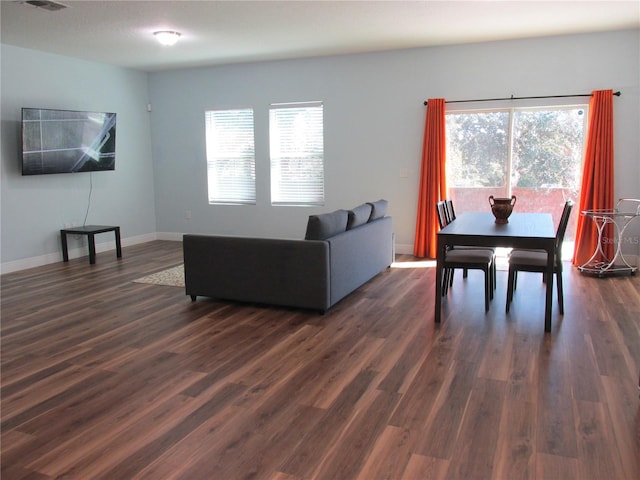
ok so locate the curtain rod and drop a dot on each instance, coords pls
(617, 94)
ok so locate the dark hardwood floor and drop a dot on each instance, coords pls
(106, 378)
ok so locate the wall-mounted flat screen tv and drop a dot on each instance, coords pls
(67, 141)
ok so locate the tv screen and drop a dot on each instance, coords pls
(67, 141)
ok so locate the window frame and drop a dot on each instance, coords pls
(511, 110)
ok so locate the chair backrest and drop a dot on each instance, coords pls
(441, 208)
(562, 228)
(451, 213)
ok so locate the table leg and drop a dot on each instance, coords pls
(118, 245)
(65, 251)
(549, 298)
(92, 248)
(439, 270)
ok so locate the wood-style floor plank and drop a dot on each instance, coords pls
(106, 378)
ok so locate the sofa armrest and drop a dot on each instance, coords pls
(260, 270)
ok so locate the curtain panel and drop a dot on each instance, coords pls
(433, 182)
(596, 191)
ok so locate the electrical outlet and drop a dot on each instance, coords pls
(187, 214)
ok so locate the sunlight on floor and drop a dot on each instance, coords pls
(415, 264)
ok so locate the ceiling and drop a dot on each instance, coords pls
(120, 32)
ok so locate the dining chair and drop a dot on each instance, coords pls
(443, 221)
(466, 258)
(524, 260)
(451, 216)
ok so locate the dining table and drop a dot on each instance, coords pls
(523, 230)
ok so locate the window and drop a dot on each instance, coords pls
(533, 153)
(231, 171)
(297, 154)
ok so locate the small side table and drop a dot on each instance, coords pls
(620, 218)
(90, 231)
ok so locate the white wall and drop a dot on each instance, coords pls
(374, 121)
(35, 208)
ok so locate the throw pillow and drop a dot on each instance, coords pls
(326, 225)
(378, 209)
(359, 215)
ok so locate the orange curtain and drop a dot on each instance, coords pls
(597, 178)
(433, 182)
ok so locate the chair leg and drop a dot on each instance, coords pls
(560, 293)
(487, 288)
(511, 285)
(492, 284)
(494, 273)
(465, 273)
(447, 280)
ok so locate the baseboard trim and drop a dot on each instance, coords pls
(39, 261)
(171, 236)
(26, 263)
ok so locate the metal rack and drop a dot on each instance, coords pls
(626, 210)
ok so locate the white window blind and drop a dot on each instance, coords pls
(231, 169)
(297, 154)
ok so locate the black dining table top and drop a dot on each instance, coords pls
(520, 225)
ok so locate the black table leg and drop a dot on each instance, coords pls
(65, 251)
(118, 245)
(92, 248)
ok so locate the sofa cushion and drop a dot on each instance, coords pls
(326, 225)
(378, 209)
(358, 215)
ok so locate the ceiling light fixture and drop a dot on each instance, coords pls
(167, 37)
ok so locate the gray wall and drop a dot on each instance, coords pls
(35, 208)
(374, 120)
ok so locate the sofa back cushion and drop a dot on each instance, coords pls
(378, 209)
(359, 215)
(326, 225)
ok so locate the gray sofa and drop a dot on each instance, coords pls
(341, 251)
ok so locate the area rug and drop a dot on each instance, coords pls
(173, 277)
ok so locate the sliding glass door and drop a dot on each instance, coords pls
(533, 153)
